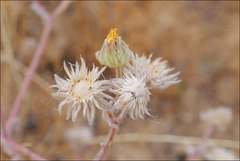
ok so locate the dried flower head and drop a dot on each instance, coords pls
(220, 117)
(156, 71)
(114, 53)
(219, 154)
(133, 95)
(82, 90)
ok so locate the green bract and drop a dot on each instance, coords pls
(114, 53)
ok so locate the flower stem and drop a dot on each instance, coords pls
(208, 134)
(118, 72)
(105, 147)
(101, 153)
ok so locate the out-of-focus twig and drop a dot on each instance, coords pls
(40, 10)
(61, 7)
(14, 145)
(203, 143)
(175, 139)
(20, 67)
(3, 128)
(8, 57)
(37, 55)
(23, 150)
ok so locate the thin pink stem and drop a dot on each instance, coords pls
(101, 153)
(16, 146)
(37, 55)
(3, 127)
(28, 78)
(208, 134)
(40, 10)
(23, 150)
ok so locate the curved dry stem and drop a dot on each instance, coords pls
(208, 134)
(35, 61)
(14, 145)
(174, 139)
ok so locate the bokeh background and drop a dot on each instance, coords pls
(200, 39)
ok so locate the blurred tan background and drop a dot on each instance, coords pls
(200, 39)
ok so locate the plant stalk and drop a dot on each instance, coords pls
(208, 134)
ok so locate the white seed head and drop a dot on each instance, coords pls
(156, 71)
(133, 95)
(82, 90)
(220, 117)
(219, 154)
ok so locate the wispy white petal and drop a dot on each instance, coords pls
(133, 95)
(82, 90)
(154, 71)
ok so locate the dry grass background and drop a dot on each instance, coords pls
(200, 39)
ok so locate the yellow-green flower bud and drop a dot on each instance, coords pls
(114, 53)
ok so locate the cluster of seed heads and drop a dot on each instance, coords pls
(128, 94)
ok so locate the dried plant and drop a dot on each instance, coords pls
(129, 91)
(128, 94)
